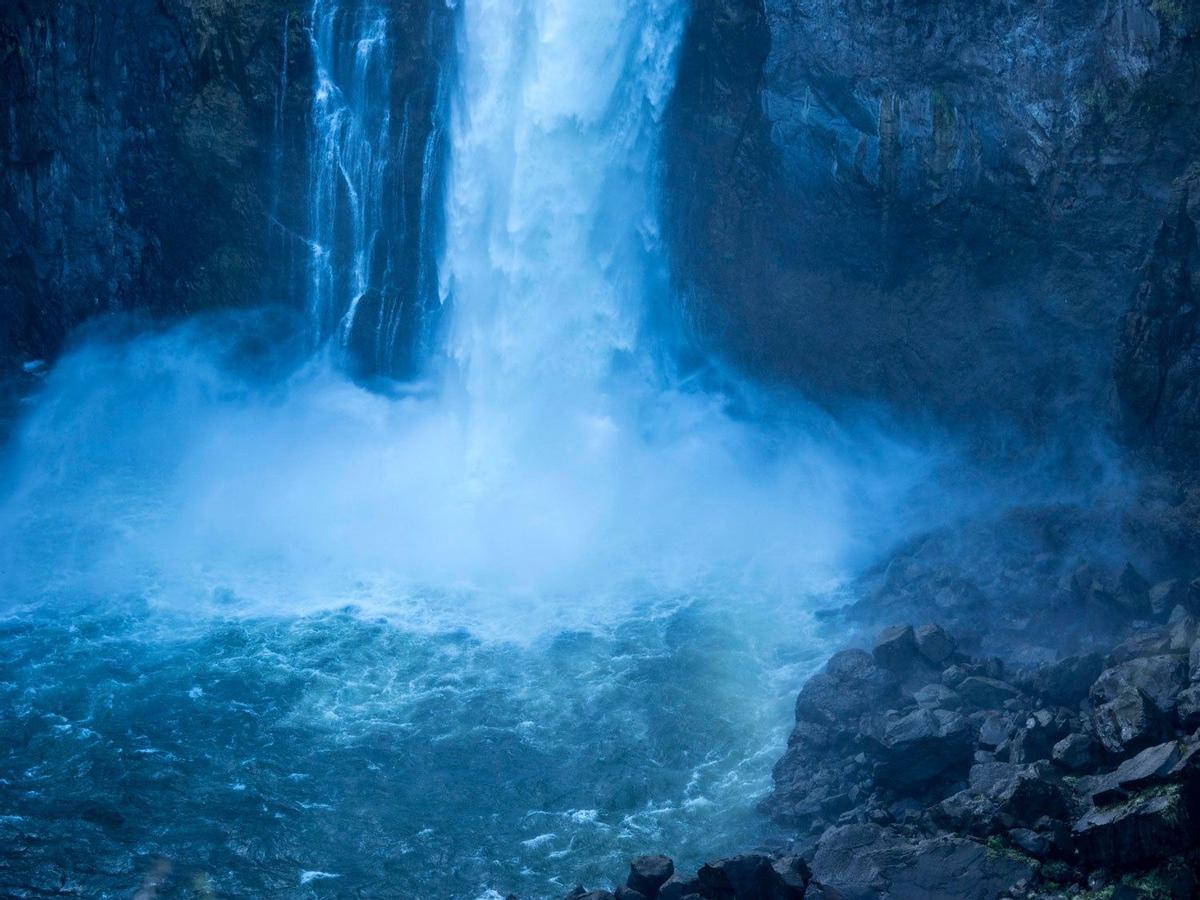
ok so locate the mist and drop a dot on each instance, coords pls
(209, 472)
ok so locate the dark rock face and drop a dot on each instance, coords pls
(944, 205)
(1142, 829)
(155, 155)
(898, 786)
(1158, 356)
(647, 874)
(138, 143)
(868, 861)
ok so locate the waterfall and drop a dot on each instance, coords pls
(551, 231)
(352, 127)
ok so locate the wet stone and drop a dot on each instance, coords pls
(647, 874)
(896, 648)
(934, 644)
(1075, 752)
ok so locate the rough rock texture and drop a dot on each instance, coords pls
(137, 143)
(154, 155)
(1028, 799)
(940, 204)
(1158, 357)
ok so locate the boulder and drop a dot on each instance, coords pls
(925, 745)
(817, 891)
(934, 644)
(937, 696)
(648, 873)
(1181, 630)
(1159, 677)
(1002, 796)
(1188, 708)
(1194, 661)
(1066, 682)
(677, 887)
(1132, 593)
(1075, 753)
(896, 648)
(1166, 595)
(1129, 722)
(1152, 766)
(1028, 841)
(753, 876)
(850, 685)
(627, 893)
(1037, 735)
(1147, 828)
(793, 876)
(581, 893)
(869, 861)
(987, 693)
(995, 728)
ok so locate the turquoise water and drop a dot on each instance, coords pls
(343, 755)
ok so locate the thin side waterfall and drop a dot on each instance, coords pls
(375, 175)
(551, 229)
(352, 124)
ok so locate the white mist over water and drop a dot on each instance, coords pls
(552, 480)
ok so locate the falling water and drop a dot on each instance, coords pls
(552, 244)
(375, 164)
(351, 155)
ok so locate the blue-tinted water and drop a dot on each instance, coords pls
(239, 757)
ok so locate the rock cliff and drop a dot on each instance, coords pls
(944, 206)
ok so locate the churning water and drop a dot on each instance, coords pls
(267, 633)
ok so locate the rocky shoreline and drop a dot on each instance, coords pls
(916, 770)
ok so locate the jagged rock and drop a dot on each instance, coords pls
(793, 876)
(1128, 722)
(1149, 827)
(1181, 630)
(625, 892)
(1151, 642)
(1188, 708)
(937, 696)
(1001, 796)
(996, 728)
(1166, 595)
(1133, 592)
(754, 876)
(986, 693)
(1066, 682)
(867, 861)
(1160, 678)
(1075, 752)
(1086, 585)
(1152, 766)
(896, 648)
(1036, 737)
(1194, 661)
(648, 873)
(923, 746)
(677, 887)
(934, 644)
(850, 685)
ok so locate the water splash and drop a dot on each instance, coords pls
(549, 478)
